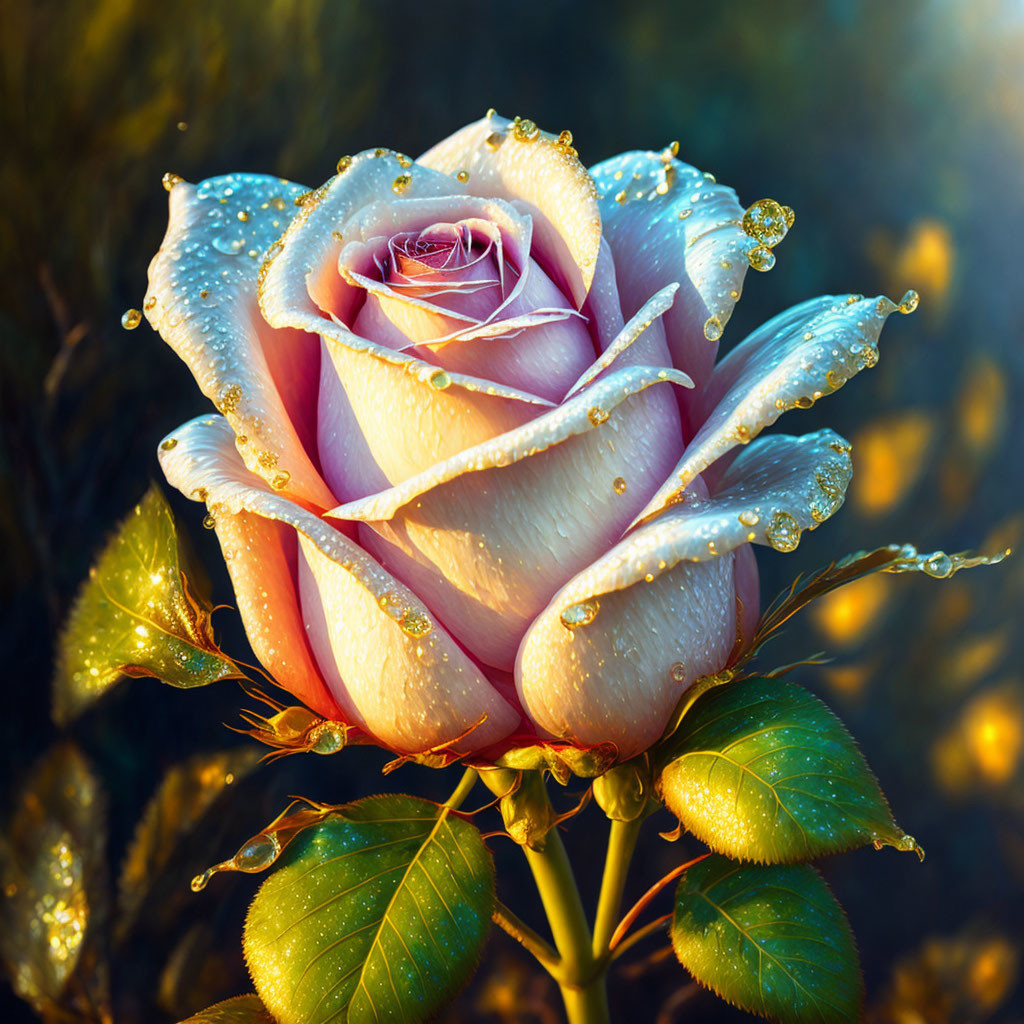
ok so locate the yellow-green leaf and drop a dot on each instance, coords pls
(379, 914)
(240, 1010)
(54, 884)
(770, 939)
(762, 770)
(137, 615)
(186, 794)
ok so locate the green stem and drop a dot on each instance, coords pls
(622, 838)
(463, 789)
(580, 978)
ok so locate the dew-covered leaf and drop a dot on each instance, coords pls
(762, 770)
(379, 914)
(240, 1010)
(54, 900)
(770, 939)
(186, 794)
(137, 615)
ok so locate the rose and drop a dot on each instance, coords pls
(476, 480)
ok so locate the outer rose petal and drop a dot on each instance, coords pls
(790, 362)
(690, 233)
(659, 609)
(202, 300)
(388, 663)
(547, 177)
(488, 535)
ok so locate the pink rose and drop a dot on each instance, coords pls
(476, 477)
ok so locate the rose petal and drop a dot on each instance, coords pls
(666, 222)
(488, 535)
(388, 664)
(543, 174)
(645, 621)
(202, 300)
(801, 355)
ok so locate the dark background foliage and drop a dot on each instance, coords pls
(896, 132)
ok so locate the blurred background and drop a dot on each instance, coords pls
(896, 132)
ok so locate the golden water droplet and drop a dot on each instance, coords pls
(834, 379)
(209, 522)
(280, 480)
(619, 485)
(760, 257)
(440, 380)
(326, 738)
(678, 672)
(462, 176)
(230, 398)
(131, 319)
(581, 614)
(278, 204)
(909, 302)
(783, 532)
(597, 415)
(524, 130)
(787, 212)
(168, 444)
(683, 214)
(748, 518)
(170, 180)
(671, 151)
(243, 215)
(621, 196)
(149, 303)
(182, 126)
(416, 623)
(712, 328)
(199, 882)
(491, 112)
(257, 854)
(939, 565)
(401, 183)
(403, 160)
(766, 221)
(494, 140)
(565, 139)
(391, 605)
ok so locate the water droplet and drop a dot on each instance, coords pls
(766, 221)
(748, 518)
(494, 140)
(462, 176)
(327, 738)
(565, 139)
(597, 415)
(678, 672)
(524, 130)
(344, 163)
(619, 485)
(683, 214)
(760, 257)
(199, 882)
(939, 565)
(168, 444)
(280, 480)
(131, 319)
(581, 614)
(170, 180)
(416, 623)
(401, 183)
(209, 522)
(783, 532)
(712, 328)
(257, 854)
(909, 302)
(440, 380)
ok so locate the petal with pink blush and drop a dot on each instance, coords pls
(547, 177)
(801, 355)
(666, 222)
(202, 300)
(488, 535)
(387, 663)
(609, 657)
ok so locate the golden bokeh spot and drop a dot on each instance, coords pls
(846, 615)
(993, 726)
(981, 405)
(891, 454)
(925, 257)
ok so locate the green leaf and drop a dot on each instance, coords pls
(53, 879)
(769, 939)
(380, 914)
(763, 771)
(137, 615)
(240, 1010)
(185, 796)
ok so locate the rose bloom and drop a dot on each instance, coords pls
(477, 478)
